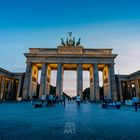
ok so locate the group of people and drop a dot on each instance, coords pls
(51, 100)
(135, 102)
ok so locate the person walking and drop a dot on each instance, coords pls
(50, 100)
(43, 99)
(78, 99)
(106, 101)
(135, 101)
(64, 100)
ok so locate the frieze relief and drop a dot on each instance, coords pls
(70, 50)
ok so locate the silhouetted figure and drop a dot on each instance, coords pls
(78, 99)
(28, 98)
(50, 100)
(105, 101)
(64, 100)
(70, 99)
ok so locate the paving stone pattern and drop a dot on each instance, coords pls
(19, 121)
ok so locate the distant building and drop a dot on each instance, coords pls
(128, 86)
(11, 85)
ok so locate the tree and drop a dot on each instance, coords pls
(86, 93)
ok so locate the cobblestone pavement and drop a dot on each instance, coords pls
(89, 122)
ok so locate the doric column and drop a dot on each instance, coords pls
(112, 81)
(9, 89)
(120, 90)
(42, 90)
(96, 83)
(19, 88)
(130, 89)
(2, 88)
(48, 80)
(59, 81)
(27, 81)
(91, 84)
(137, 88)
(79, 80)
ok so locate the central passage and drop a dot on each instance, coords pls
(69, 83)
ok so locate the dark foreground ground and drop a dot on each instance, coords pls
(19, 121)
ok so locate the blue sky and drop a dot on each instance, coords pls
(41, 23)
(50, 13)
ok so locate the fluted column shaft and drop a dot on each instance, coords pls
(19, 88)
(120, 91)
(2, 88)
(96, 82)
(27, 80)
(59, 82)
(79, 80)
(42, 90)
(130, 89)
(112, 82)
(91, 84)
(137, 88)
(9, 89)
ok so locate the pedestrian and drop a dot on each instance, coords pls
(78, 99)
(64, 100)
(106, 101)
(50, 100)
(135, 101)
(43, 98)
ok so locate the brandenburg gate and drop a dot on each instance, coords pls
(70, 55)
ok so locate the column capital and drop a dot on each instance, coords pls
(59, 65)
(79, 65)
(95, 65)
(111, 64)
(29, 63)
(44, 63)
(92, 64)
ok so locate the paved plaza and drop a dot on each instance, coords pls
(90, 121)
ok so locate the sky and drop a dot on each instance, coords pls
(41, 23)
